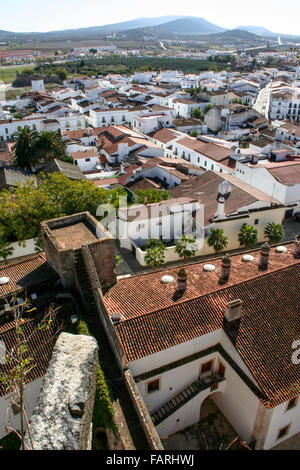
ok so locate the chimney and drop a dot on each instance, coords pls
(225, 269)
(181, 280)
(296, 252)
(264, 256)
(116, 318)
(233, 310)
(221, 207)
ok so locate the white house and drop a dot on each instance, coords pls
(280, 180)
(86, 159)
(147, 122)
(211, 333)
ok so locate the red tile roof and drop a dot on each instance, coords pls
(205, 188)
(154, 319)
(25, 273)
(40, 343)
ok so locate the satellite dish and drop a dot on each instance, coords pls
(4, 280)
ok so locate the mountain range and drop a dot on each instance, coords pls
(163, 26)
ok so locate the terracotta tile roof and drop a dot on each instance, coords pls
(25, 273)
(145, 183)
(138, 295)
(40, 343)
(165, 135)
(88, 153)
(212, 150)
(154, 319)
(205, 188)
(287, 173)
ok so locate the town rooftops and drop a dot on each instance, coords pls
(286, 172)
(205, 188)
(40, 342)
(213, 150)
(88, 153)
(12, 176)
(68, 169)
(155, 318)
(25, 273)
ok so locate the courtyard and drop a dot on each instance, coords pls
(212, 432)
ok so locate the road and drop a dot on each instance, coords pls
(262, 103)
(3, 89)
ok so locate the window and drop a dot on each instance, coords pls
(283, 432)
(212, 167)
(153, 386)
(292, 403)
(206, 368)
(87, 159)
(256, 221)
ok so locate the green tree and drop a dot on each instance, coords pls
(5, 250)
(197, 113)
(155, 242)
(49, 145)
(208, 107)
(151, 195)
(155, 255)
(186, 247)
(62, 74)
(194, 133)
(247, 236)
(217, 239)
(25, 156)
(56, 196)
(274, 232)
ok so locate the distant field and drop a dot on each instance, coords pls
(8, 74)
(14, 92)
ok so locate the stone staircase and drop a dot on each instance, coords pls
(84, 283)
(183, 397)
(113, 376)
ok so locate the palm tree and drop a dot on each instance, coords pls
(186, 247)
(247, 235)
(23, 148)
(155, 256)
(217, 239)
(274, 232)
(5, 250)
(155, 242)
(49, 145)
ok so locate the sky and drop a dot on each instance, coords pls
(37, 15)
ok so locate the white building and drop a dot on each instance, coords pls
(86, 159)
(195, 334)
(146, 122)
(280, 180)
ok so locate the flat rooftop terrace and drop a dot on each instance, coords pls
(74, 235)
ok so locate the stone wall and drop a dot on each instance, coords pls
(62, 418)
(104, 257)
(62, 261)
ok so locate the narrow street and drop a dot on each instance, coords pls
(262, 103)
